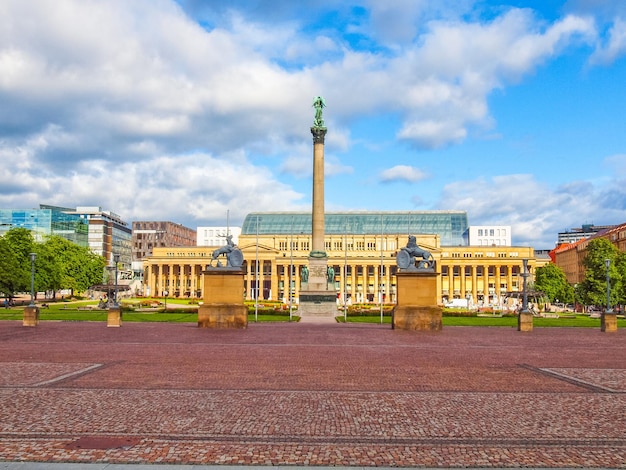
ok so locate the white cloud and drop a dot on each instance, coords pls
(402, 173)
(135, 107)
(615, 47)
(535, 210)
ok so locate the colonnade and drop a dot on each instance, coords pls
(357, 279)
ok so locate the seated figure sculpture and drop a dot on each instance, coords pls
(406, 257)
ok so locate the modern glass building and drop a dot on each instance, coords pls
(451, 226)
(46, 221)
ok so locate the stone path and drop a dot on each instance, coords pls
(312, 394)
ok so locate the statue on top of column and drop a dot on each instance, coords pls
(318, 104)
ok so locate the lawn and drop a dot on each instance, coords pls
(87, 311)
(580, 321)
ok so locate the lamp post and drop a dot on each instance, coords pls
(291, 271)
(256, 275)
(165, 292)
(380, 284)
(116, 259)
(32, 279)
(608, 286)
(345, 274)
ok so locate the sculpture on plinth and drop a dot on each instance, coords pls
(406, 259)
(234, 256)
(318, 104)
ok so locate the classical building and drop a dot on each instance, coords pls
(569, 257)
(361, 249)
(147, 235)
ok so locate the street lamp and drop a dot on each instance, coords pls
(116, 259)
(608, 286)
(256, 294)
(291, 271)
(32, 279)
(165, 295)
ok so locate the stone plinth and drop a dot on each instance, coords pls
(416, 308)
(525, 321)
(608, 322)
(31, 316)
(223, 305)
(318, 297)
(114, 317)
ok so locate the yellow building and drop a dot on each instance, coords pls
(361, 249)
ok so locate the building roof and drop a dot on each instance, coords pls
(451, 226)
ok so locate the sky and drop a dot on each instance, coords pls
(197, 111)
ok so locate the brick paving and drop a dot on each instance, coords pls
(312, 394)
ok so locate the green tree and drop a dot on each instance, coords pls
(70, 266)
(551, 280)
(15, 267)
(593, 290)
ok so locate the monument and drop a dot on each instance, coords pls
(318, 296)
(223, 305)
(416, 307)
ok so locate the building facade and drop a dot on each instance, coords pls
(47, 221)
(570, 257)
(108, 235)
(216, 236)
(146, 235)
(361, 249)
(576, 234)
(489, 235)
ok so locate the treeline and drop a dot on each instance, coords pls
(551, 280)
(59, 264)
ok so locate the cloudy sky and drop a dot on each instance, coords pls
(513, 111)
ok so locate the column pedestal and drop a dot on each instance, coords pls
(31, 316)
(608, 322)
(317, 296)
(416, 308)
(114, 317)
(525, 321)
(223, 305)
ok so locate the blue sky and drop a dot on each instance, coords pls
(183, 110)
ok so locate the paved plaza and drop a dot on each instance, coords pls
(295, 394)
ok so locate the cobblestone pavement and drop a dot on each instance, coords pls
(312, 394)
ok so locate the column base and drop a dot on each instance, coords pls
(31, 316)
(608, 322)
(525, 321)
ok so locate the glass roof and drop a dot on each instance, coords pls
(451, 226)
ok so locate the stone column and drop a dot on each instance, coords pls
(318, 249)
